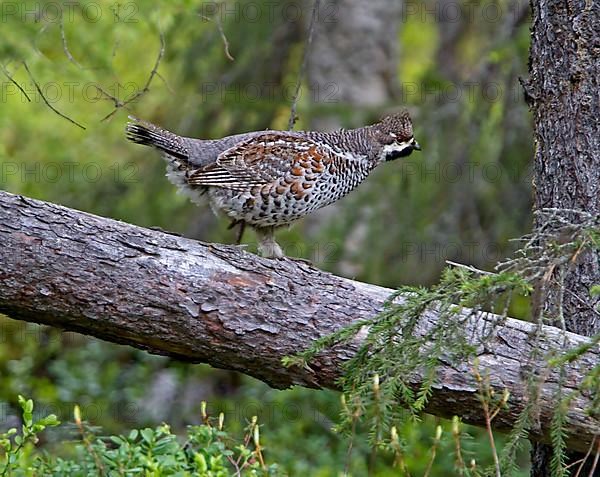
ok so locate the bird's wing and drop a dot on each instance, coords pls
(262, 160)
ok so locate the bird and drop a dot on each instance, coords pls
(269, 179)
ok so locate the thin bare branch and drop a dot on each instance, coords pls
(223, 37)
(595, 464)
(12, 80)
(311, 30)
(39, 90)
(65, 46)
(159, 58)
(584, 459)
(167, 85)
(116, 101)
(471, 268)
(221, 32)
(123, 104)
(225, 41)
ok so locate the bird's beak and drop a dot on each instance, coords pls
(416, 146)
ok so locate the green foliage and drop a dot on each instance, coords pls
(379, 381)
(207, 450)
(401, 349)
(15, 446)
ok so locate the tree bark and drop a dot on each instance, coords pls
(220, 305)
(563, 93)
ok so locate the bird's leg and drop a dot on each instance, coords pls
(267, 247)
(240, 232)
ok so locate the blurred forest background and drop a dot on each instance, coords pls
(229, 67)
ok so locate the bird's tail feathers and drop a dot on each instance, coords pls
(142, 132)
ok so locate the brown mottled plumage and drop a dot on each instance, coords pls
(267, 179)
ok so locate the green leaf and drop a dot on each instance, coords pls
(28, 418)
(147, 435)
(50, 420)
(117, 440)
(200, 461)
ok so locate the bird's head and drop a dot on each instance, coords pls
(394, 135)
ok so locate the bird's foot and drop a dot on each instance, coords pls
(268, 248)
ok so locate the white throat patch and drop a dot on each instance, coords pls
(394, 148)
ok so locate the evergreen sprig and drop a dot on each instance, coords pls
(401, 349)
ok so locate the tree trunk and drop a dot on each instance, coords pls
(217, 304)
(563, 92)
